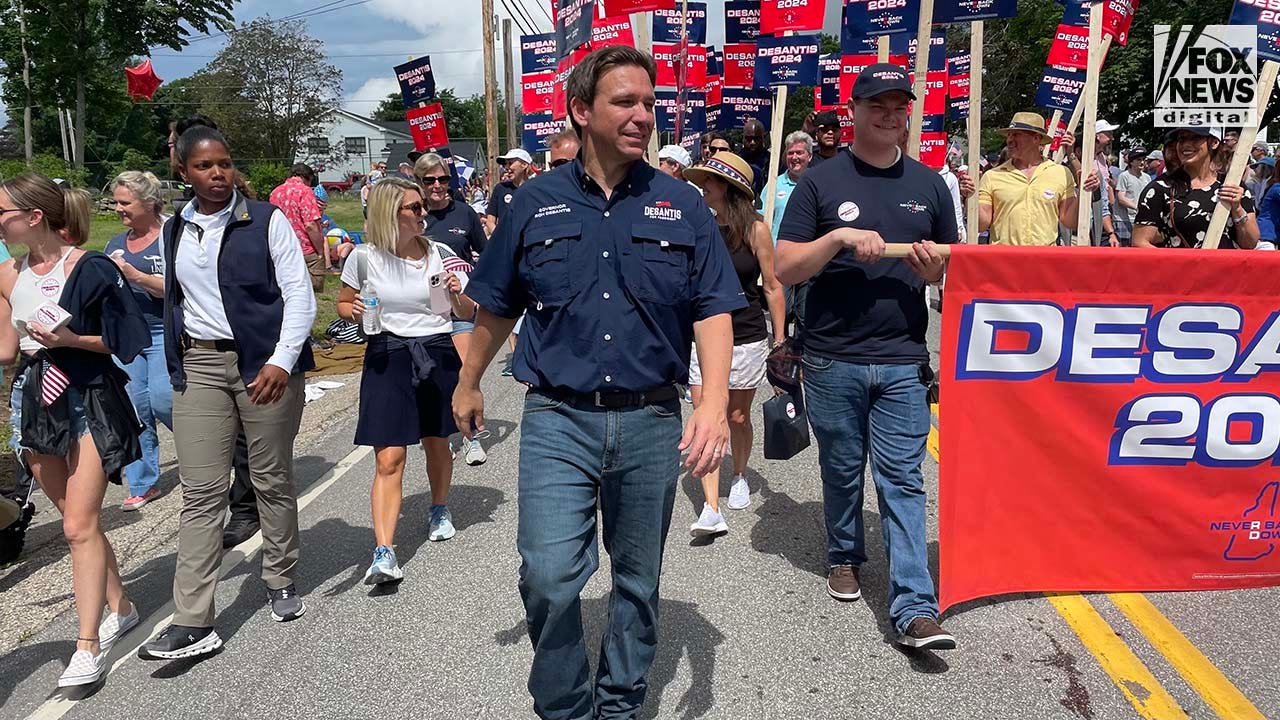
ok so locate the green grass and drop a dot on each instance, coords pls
(345, 211)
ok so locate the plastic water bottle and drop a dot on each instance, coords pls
(372, 321)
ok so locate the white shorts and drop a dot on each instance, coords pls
(746, 371)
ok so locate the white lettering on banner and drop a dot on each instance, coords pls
(737, 57)
(1264, 4)
(788, 51)
(663, 213)
(539, 45)
(786, 4)
(886, 4)
(694, 14)
(751, 14)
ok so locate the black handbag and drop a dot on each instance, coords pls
(786, 427)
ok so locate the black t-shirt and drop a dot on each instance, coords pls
(457, 226)
(858, 312)
(500, 200)
(1180, 214)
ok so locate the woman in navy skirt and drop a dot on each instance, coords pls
(411, 367)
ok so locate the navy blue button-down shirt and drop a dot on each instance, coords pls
(611, 287)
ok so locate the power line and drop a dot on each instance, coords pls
(331, 6)
(543, 8)
(520, 7)
(355, 55)
(518, 20)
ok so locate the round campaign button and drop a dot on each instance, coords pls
(507, 198)
(50, 287)
(848, 211)
(791, 410)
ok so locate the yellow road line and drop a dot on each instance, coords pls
(1199, 672)
(932, 442)
(1144, 692)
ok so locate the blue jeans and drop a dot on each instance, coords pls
(858, 410)
(573, 457)
(151, 391)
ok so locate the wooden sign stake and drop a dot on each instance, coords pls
(924, 35)
(1089, 99)
(974, 124)
(1239, 160)
(642, 22)
(775, 149)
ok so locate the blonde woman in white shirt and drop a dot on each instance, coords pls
(411, 367)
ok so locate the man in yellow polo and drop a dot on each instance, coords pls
(1023, 201)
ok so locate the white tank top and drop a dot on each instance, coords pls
(33, 290)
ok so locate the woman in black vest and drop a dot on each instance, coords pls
(238, 310)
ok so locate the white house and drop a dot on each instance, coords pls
(348, 143)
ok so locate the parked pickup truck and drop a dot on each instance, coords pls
(336, 186)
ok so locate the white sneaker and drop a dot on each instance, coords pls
(114, 626)
(441, 526)
(475, 453)
(740, 493)
(709, 523)
(85, 668)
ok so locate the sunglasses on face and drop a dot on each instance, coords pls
(558, 162)
(717, 148)
(413, 207)
(429, 180)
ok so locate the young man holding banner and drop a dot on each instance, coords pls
(866, 365)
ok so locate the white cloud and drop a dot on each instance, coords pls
(373, 91)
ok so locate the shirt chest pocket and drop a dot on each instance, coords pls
(548, 251)
(660, 260)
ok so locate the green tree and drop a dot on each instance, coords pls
(76, 45)
(391, 109)
(463, 116)
(268, 88)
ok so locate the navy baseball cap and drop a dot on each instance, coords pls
(882, 78)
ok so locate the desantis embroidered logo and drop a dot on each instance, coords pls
(662, 210)
(1256, 532)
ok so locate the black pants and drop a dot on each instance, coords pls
(243, 502)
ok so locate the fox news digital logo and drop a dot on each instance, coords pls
(1206, 76)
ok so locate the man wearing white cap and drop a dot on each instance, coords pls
(673, 160)
(516, 162)
(1102, 231)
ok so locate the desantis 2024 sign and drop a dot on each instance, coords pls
(1109, 426)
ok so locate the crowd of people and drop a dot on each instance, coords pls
(616, 283)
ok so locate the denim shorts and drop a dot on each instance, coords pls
(79, 421)
(462, 327)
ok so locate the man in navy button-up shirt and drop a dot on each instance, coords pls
(620, 269)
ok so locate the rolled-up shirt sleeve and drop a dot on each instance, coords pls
(295, 288)
(496, 285)
(716, 288)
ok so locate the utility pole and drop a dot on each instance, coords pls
(509, 71)
(490, 89)
(26, 81)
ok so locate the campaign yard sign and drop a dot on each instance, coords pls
(1060, 88)
(1117, 16)
(906, 45)
(852, 65)
(695, 111)
(626, 7)
(1070, 47)
(864, 18)
(666, 56)
(537, 128)
(573, 25)
(667, 24)
(787, 60)
(538, 91)
(935, 92)
(1267, 17)
(851, 44)
(826, 95)
(780, 16)
(1165, 478)
(426, 126)
(417, 83)
(612, 31)
(933, 147)
(741, 21)
(738, 104)
(538, 52)
(739, 65)
(961, 11)
(958, 79)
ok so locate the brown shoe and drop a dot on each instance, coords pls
(925, 633)
(842, 583)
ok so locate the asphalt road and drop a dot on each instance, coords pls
(747, 628)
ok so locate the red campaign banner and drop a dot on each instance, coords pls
(559, 101)
(715, 90)
(935, 92)
(614, 8)
(958, 86)
(1070, 47)
(1057, 132)
(426, 126)
(739, 65)
(1108, 426)
(538, 91)
(665, 55)
(612, 30)
(846, 124)
(1117, 16)
(779, 16)
(933, 147)
(852, 65)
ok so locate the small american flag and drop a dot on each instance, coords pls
(53, 384)
(457, 264)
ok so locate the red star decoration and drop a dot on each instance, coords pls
(143, 81)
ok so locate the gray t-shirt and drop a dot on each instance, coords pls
(1130, 186)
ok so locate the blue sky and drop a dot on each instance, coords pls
(366, 40)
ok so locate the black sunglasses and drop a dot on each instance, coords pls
(715, 149)
(9, 210)
(413, 207)
(433, 179)
(558, 162)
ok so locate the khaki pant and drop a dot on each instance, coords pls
(315, 268)
(207, 416)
